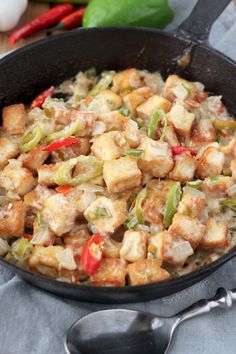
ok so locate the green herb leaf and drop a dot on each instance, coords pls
(124, 111)
(187, 88)
(135, 153)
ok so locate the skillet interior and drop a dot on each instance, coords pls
(27, 71)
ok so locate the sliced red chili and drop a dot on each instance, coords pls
(177, 150)
(64, 189)
(61, 143)
(41, 98)
(92, 254)
(28, 236)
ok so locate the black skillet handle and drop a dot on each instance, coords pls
(198, 25)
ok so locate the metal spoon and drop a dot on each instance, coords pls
(119, 331)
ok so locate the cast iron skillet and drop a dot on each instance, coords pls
(24, 73)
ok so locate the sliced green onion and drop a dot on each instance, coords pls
(214, 178)
(138, 121)
(21, 249)
(164, 128)
(156, 117)
(187, 88)
(39, 219)
(90, 165)
(91, 72)
(138, 205)
(102, 84)
(134, 153)
(99, 213)
(230, 203)
(31, 139)
(173, 199)
(124, 111)
(70, 130)
(130, 224)
(195, 184)
(219, 139)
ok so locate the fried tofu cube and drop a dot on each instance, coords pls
(192, 203)
(111, 272)
(34, 158)
(126, 81)
(233, 169)
(146, 271)
(176, 87)
(215, 235)
(184, 168)
(181, 119)
(170, 136)
(35, 199)
(210, 163)
(76, 239)
(12, 219)
(59, 214)
(16, 178)
(132, 134)
(13, 119)
(111, 248)
(106, 147)
(157, 158)
(136, 98)
(146, 109)
(46, 174)
(155, 247)
(217, 186)
(113, 120)
(176, 250)
(64, 154)
(44, 260)
(105, 101)
(106, 214)
(8, 150)
(134, 246)
(121, 174)
(187, 228)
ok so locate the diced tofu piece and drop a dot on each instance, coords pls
(64, 154)
(170, 136)
(35, 199)
(134, 246)
(153, 80)
(155, 247)
(111, 272)
(176, 87)
(146, 271)
(136, 98)
(181, 119)
(59, 214)
(44, 260)
(121, 174)
(106, 147)
(113, 120)
(146, 109)
(192, 203)
(8, 150)
(105, 101)
(106, 214)
(46, 174)
(157, 159)
(187, 228)
(203, 132)
(13, 119)
(81, 199)
(42, 236)
(34, 159)
(58, 110)
(16, 178)
(66, 259)
(111, 248)
(217, 186)
(12, 219)
(132, 133)
(76, 239)
(184, 168)
(176, 250)
(233, 169)
(126, 81)
(210, 163)
(216, 234)
(153, 207)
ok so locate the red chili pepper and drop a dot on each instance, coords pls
(177, 150)
(28, 236)
(60, 143)
(92, 254)
(71, 21)
(41, 98)
(47, 19)
(63, 189)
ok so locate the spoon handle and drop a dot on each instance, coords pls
(223, 299)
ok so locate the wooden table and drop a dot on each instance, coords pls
(33, 10)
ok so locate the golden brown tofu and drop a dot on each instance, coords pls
(126, 81)
(192, 203)
(106, 146)
(176, 250)
(13, 119)
(105, 101)
(187, 228)
(8, 150)
(12, 219)
(17, 179)
(76, 239)
(184, 168)
(111, 248)
(176, 87)
(46, 174)
(132, 134)
(44, 260)
(233, 169)
(111, 272)
(157, 158)
(64, 154)
(35, 199)
(134, 246)
(146, 109)
(170, 136)
(215, 235)
(155, 247)
(121, 174)
(34, 158)
(210, 163)
(181, 119)
(113, 120)
(136, 98)
(217, 186)
(146, 271)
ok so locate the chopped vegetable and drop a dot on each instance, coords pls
(135, 153)
(230, 203)
(138, 205)
(31, 139)
(156, 117)
(21, 249)
(195, 184)
(124, 111)
(131, 223)
(92, 254)
(99, 213)
(71, 129)
(40, 221)
(177, 150)
(40, 99)
(173, 199)
(64, 189)
(224, 124)
(187, 88)
(72, 21)
(61, 143)
(102, 84)
(91, 72)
